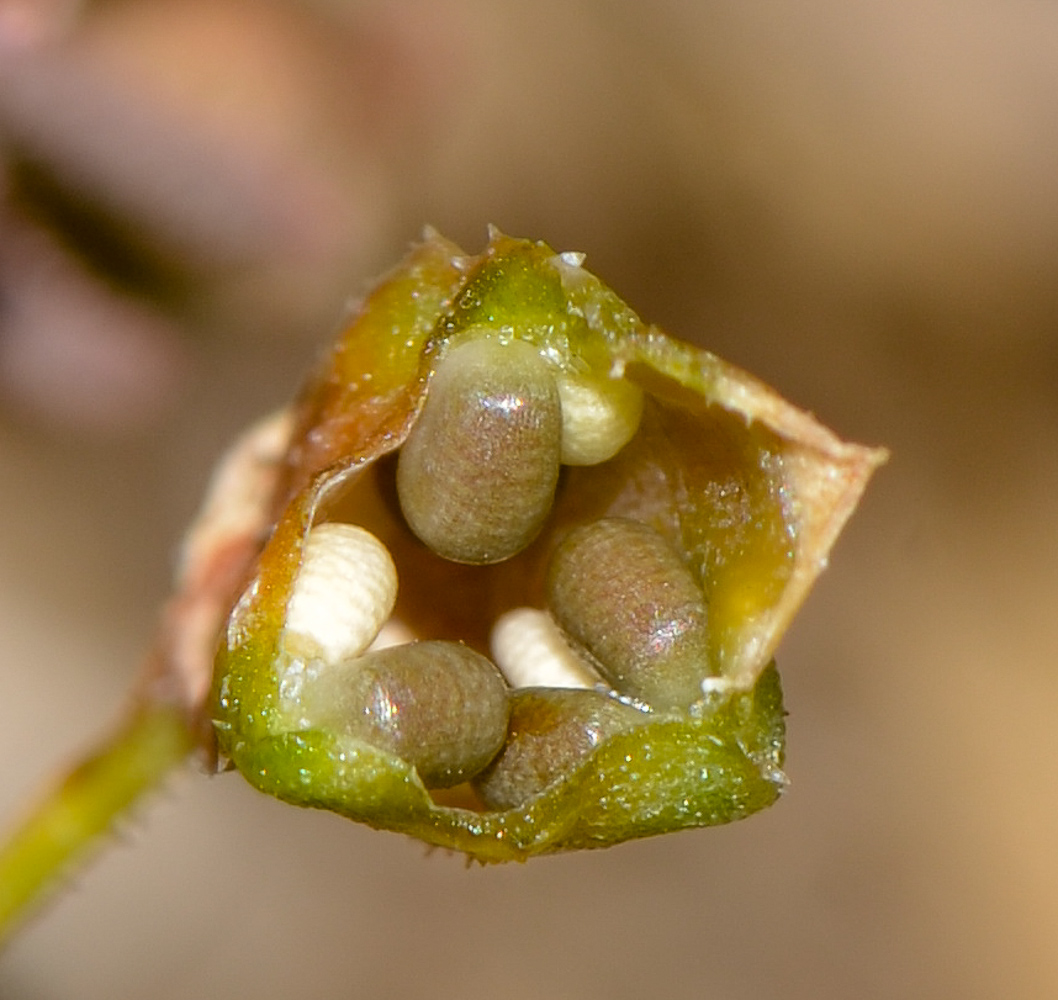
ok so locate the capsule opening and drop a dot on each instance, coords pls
(441, 599)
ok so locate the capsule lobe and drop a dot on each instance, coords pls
(620, 591)
(552, 732)
(440, 706)
(476, 477)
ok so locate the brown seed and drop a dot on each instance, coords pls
(622, 593)
(552, 731)
(440, 706)
(477, 475)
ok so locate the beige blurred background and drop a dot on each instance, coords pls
(856, 201)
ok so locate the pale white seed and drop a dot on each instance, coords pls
(531, 651)
(599, 417)
(344, 592)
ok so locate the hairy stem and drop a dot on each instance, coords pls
(65, 823)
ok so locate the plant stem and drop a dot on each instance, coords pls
(151, 742)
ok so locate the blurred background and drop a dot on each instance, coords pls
(856, 201)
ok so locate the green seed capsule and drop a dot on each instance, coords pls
(622, 592)
(477, 475)
(438, 705)
(552, 731)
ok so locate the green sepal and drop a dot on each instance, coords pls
(676, 772)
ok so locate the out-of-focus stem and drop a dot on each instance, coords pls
(69, 818)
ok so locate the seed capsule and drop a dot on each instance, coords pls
(438, 705)
(551, 733)
(476, 477)
(343, 593)
(621, 591)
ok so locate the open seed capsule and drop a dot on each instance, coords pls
(438, 705)
(536, 365)
(620, 591)
(476, 477)
(552, 731)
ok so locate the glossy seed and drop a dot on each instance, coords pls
(551, 733)
(619, 590)
(599, 417)
(343, 593)
(477, 475)
(531, 651)
(440, 706)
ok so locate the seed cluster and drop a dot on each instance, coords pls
(601, 536)
(625, 631)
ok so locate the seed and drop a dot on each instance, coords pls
(531, 651)
(620, 591)
(343, 593)
(599, 417)
(551, 733)
(477, 475)
(440, 706)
